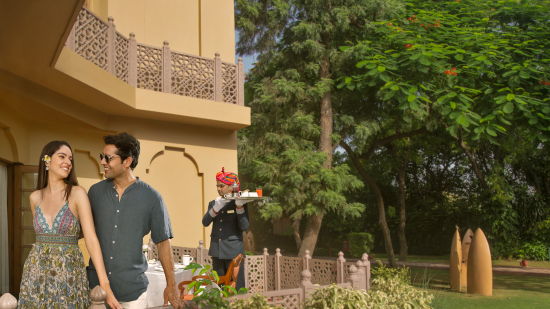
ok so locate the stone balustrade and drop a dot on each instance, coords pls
(155, 68)
(283, 280)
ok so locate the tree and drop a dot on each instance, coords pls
(476, 69)
(290, 142)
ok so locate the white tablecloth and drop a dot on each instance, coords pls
(157, 283)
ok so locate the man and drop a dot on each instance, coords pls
(230, 220)
(125, 209)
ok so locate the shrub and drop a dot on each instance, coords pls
(254, 302)
(336, 297)
(402, 274)
(392, 293)
(533, 251)
(541, 232)
(390, 290)
(360, 243)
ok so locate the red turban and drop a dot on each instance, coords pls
(227, 178)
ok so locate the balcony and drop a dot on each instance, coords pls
(155, 68)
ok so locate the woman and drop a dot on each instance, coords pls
(230, 219)
(54, 275)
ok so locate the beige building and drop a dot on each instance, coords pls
(162, 70)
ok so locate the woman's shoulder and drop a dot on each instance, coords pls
(77, 193)
(35, 197)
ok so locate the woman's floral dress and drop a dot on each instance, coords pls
(54, 275)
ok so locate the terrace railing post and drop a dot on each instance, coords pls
(340, 264)
(361, 274)
(366, 266)
(166, 68)
(111, 41)
(266, 259)
(306, 284)
(132, 60)
(307, 258)
(240, 82)
(218, 78)
(200, 257)
(354, 278)
(98, 297)
(277, 269)
(8, 301)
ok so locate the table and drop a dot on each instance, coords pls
(157, 284)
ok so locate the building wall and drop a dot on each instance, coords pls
(198, 27)
(180, 161)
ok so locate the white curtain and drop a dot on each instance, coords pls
(4, 258)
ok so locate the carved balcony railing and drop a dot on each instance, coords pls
(155, 68)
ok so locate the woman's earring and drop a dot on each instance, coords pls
(47, 167)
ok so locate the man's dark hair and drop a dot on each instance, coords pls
(127, 145)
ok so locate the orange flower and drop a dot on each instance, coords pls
(452, 72)
(544, 83)
(408, 45)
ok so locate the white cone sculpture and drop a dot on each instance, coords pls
(455, 261)
(480, 267)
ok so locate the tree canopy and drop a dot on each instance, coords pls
(435, 106)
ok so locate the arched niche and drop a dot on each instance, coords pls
(8, 145)
(87, 168)
(175, 175)
(88, 173)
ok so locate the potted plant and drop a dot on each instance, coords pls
(205, 290)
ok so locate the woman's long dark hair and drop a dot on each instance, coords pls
(49, 150)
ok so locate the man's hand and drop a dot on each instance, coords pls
(219, 203)
(171, 295)
(112, 301)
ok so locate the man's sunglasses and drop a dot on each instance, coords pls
(107, 158)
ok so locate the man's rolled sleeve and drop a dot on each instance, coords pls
(161, 229)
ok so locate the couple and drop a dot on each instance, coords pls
(121, 209)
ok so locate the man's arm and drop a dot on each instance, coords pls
(165, 256)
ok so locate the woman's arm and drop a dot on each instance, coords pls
(92, 243)
(34, 199)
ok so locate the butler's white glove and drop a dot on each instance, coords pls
(240, 203)
(219, 203)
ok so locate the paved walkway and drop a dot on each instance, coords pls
(508, 270)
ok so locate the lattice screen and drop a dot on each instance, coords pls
(323, 271)
(291, 269)
(178, 252)
(192, 76)
(270, 275)
(229, 84)
(149, 70)
(255, 276)
(289, 301)
(91, 38)
(121, 57)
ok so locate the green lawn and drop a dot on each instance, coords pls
(510, 292)
(445, 259)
